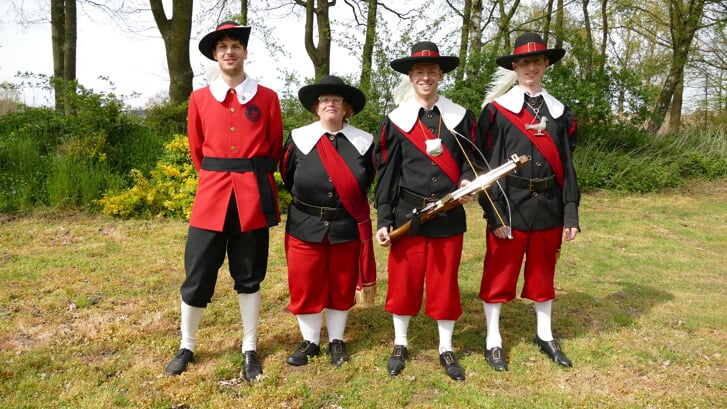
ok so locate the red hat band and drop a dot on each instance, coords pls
(529, 48)
(425, 53)
(226, 26)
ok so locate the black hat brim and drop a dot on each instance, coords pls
(553, 54)
(446, 63)
(208, 42)
(309, 94)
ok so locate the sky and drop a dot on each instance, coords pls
(133, 62)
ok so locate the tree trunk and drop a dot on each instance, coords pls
(589, 41)
(58, 32)
(503, 27)
(368, 47)
(559, 26)
(548, 20)
(69, 55)
(685, 20)
(320, 55)
(176, 32)
(464, 35)
(604, 35)
(673, 118)
(243, 12)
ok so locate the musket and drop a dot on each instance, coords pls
(456, 197)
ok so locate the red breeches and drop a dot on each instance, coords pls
(416, 263)
(321, 275)
(504, 259)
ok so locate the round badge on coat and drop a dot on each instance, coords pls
(252, 113)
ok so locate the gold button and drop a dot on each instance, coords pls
(538, 163)
(434, 180)
(325, 223)
(535, 194)
(331, 137)
(429, 115)
(232, 109)
(330, 194)
(232, 129)
(233, 148)
(232, 91)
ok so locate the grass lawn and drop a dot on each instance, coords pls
(90, 317)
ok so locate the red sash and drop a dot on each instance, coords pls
(356, 204)
(445, 160)
(544, 144)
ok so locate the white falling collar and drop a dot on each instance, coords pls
(406, 114)
(514, 99)
(306, 137)
(245, 91)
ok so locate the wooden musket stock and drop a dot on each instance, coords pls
(456, 198)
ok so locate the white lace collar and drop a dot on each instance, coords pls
(514, 99)
(407, 113)
(245, 91)
(306, 137)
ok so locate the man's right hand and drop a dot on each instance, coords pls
(382, 237)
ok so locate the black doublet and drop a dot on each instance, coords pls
(307, 180)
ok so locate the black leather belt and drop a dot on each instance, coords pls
(325, 213)
(261, 167)
(533, 185)
(415, 199)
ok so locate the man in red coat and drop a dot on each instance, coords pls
(235, 135)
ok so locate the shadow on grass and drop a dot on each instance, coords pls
(575, 314)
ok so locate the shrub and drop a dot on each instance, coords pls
(168, 191)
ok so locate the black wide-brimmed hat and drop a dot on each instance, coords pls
(529, 44)
(425, 52)
(226, 28)
(335, 86)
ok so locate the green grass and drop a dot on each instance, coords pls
(90, 317)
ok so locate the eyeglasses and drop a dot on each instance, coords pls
(538, 60)
(330, 100)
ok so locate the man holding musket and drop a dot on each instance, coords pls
(422, 154)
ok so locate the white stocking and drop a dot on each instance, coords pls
(336, 321)
(446, 329)
(310, 327)
(191, 316)
(250, 311)
(401, 327)
(543, 317)
(492, 316)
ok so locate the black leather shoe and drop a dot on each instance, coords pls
(551, 349)
(251, 368)
(453, 369)
(305, 350)
(397, 359)
(496, 359)
(180, 361)
(337, 351)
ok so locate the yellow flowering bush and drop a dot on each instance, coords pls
(167, 192)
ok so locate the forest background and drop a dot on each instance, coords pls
(645, 79)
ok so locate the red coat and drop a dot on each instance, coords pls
(230, 129)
